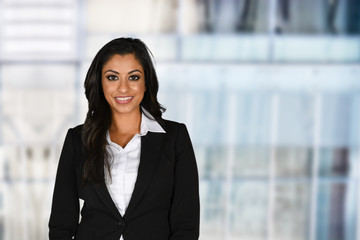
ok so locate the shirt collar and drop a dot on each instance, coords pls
(149, 124)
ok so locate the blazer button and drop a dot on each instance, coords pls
(121, 226)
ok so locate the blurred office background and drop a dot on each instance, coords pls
(269, 90)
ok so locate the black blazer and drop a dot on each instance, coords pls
(164, 204)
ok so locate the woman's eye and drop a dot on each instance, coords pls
(112, 77)
(134, 78)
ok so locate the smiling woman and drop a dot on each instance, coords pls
(135, 171)
(123, 85)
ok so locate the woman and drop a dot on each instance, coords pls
(135, 171)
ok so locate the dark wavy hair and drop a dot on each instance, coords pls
(98, 118)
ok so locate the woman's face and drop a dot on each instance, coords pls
(123, 83)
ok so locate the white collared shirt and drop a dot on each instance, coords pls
(125, 163)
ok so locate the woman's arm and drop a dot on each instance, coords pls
(185, 208)
(65, 205)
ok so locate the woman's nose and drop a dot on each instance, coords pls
(122, 85)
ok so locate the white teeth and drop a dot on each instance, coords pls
(123, 98)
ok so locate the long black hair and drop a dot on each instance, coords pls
(98, 118)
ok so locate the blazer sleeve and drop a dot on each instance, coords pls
(64, 215)
(185, 208)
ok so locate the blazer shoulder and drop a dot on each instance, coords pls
(75, 134)
(77, 130)
(172, 126)
(175, 130)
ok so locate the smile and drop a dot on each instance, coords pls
(123, 98)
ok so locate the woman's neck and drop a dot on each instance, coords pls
(123, 127)
(124, 124)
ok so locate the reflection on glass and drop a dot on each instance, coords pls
(2, 227)
(334, 162)
(253, 112)
(213, 209)
(208, 109)
(251, 162)
(233, 16)
(335, 107)
(291, 211)
(153, 16)
(353, 17)
(249, 210)
(215, 163)
(296, 120)
(336, 214)
(293, 162)
(319, 16)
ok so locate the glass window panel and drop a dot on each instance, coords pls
(291, 211)
(354, 119)
(17, 14)
(353, 17)
(186, 106)
(188, 99)
(318, 49)
(163, 47)
(295, 120)
(336, 213)
(216, 163)
(213, 209)
(252, 115)
(153, 16)
(200, 153)
(38, 101)
(38, 2)
(334, 162)
(37, 116)
(229, 16)
(251, 161)
(293, 162)
(309, 16)
(169, 98)
(213, 191)
(44, 30)
(2, 228)
(39, 49)
(39, 76)
(335, 120)
(207, 115)
(249, 210)
(354, 157)
(41, 46)
(224, 48)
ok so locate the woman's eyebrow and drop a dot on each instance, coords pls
(136, 70)
(112, 71)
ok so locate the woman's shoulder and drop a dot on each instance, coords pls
(75, 132)
(76, 129)
(170, 125)
(177, 133)
(173, 127)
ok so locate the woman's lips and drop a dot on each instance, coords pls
(123, 100)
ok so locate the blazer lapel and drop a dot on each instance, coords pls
(104, 195)
(151, 146)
